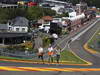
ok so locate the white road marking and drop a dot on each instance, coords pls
(70, 39)
(81, 33)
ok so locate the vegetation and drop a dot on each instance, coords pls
(65, 31)
(21, 47)
(46, 41)
(10, 13)
(63, 15)
(69, 56)
(37, 12)
(94, 43)
(27, 45)
(31, 13)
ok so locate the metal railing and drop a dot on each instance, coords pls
(23, 55)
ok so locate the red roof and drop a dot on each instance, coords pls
(32, 4)
(47, 18)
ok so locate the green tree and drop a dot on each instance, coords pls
(63, 15)
(37, 12)
(10, 13)
(16, 12)
(34, 13)
(49, 12)
(3, 15)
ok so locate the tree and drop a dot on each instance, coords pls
(49, 12)
(16, 12)
(93, 3)
(10, 13)
(65, 14)
(34, 13)
(3, 15)
(37, 12)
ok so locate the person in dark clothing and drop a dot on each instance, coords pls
(58, 51)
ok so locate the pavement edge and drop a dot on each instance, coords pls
(87, 62)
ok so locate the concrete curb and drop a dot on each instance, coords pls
(33, 62)
(89, 49)
(88, 63)
(86, 45)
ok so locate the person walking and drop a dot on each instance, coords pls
(58, 52)
(40, 54)
(50, 54)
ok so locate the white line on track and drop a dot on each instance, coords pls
(81, 33)
(94, 34)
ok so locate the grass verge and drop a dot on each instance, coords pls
(94, 42)
(67, 57)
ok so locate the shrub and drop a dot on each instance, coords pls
(46, 41)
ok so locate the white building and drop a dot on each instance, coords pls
(71, 12)
(19, 24)
(58, 9)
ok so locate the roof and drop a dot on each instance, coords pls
(3, 26)
(20, 21)
(47, 18)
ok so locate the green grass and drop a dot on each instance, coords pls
(69, 56)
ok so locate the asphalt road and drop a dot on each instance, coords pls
(8, 63)
(77, 46)
(50, 73)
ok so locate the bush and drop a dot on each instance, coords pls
(22, 47)
(46, 41)
(27, 45)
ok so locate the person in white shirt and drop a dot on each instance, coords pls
(41, 53)
(50, 49)
(50, 54)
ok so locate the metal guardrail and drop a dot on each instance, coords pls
(24, 56)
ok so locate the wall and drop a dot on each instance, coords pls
(20, 29)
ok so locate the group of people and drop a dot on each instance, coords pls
(52, 53)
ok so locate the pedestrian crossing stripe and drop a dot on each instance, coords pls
(12, 68)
